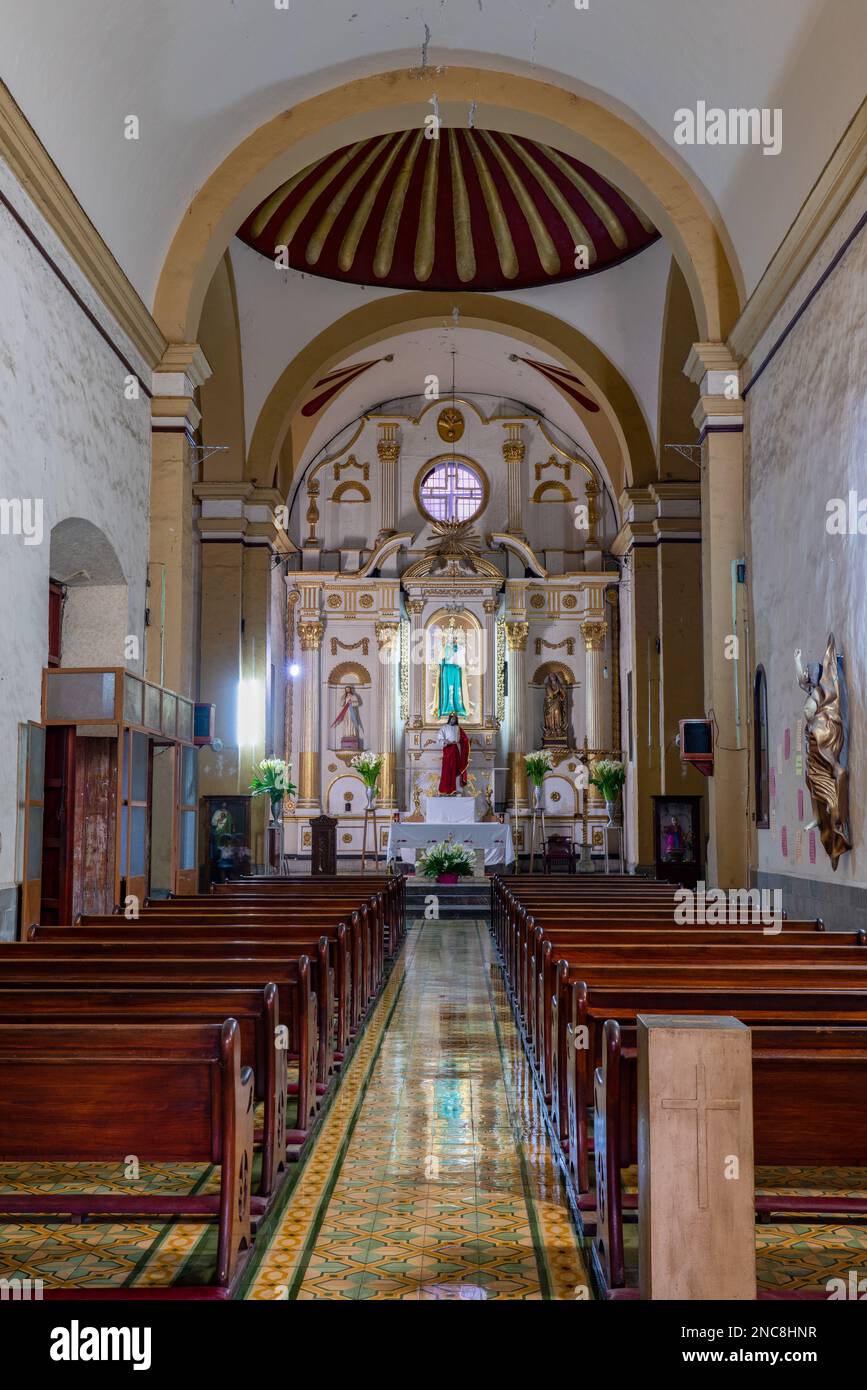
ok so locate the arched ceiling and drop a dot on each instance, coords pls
(458, 209)
(200, 76)
(487, 364)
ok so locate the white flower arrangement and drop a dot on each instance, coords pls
(446, 858)
(608, 776)
(368, 766)
(536, 765)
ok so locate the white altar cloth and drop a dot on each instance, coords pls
(450, 810)
(495, 839)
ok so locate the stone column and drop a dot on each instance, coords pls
(514, 450)
(516, 638)
(310, 636)
(415, 608)
(388, 449)
(388, 640)
(696, 1181)
(171, 598)
(593, 631)
(719, 417)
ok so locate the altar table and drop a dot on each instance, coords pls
(496, 840)
(451, 810)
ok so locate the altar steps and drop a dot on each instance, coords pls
(462, 902)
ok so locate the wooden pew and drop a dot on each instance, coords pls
(255, 1010)
(391, 886)
(365, 942)
(50, 966)
(331, 982)
(536, 981)
(590, 1009)
(807, 1086)
(764, 969)
(174, 1093)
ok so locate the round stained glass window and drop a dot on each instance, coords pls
(451, 491)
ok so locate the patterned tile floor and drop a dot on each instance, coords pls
(432, 1177)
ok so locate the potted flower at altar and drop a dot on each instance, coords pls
(536, 765)
(368, 766)
(608, 776)
(271, 779)
(446, 862)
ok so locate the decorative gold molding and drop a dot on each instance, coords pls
(564, 464)
(352, 462)
(363, 643)
(386, 634)
(310, 635)
(593, 633)
(516, 635)
(42, 181)
(568, 643)
(341, 497)
(359, 674)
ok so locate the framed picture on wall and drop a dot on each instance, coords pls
(225, 831)
(677, 839)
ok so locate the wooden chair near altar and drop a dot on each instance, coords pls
(559, 850)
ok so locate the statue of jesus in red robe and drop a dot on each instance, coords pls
(456, 756)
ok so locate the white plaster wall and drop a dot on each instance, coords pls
(808, 443)
(67, 436)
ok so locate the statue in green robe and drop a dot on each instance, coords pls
(450, 695)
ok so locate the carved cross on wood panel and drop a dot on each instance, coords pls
(701, 1106)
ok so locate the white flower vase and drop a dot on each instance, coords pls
(537, 798)
(611, 807)
(370, 793)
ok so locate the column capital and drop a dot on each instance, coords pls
(310, 635)
(516, 636)
(490, 605)
(593, 632)
(717, 373)
(181, 370)
(386, 633)
(415, 606)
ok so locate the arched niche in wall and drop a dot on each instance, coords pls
(350, 707)
(95, 623)
(442, 631)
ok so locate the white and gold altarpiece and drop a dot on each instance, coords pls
(511, 598)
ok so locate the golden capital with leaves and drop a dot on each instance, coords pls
(491, 605)
(386, 633)
(415, 606)
(593, 633)
(310, 636)
(516, 636)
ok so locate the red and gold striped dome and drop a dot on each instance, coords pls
(472, 210)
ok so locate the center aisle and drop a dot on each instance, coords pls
(432, 1176)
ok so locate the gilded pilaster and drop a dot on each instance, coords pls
(514, 450)
(388, 450)
(516, 638)
(310, 637)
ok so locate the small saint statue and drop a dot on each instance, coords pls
(555, 724)
(456, 756)
(349, 719)
(826, 747)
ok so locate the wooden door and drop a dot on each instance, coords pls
(58, 824)
(94, 825)
(31, 773)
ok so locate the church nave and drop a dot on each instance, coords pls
(433, 1176)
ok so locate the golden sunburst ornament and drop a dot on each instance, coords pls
(458, 546)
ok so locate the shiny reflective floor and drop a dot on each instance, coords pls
(432, 1177)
